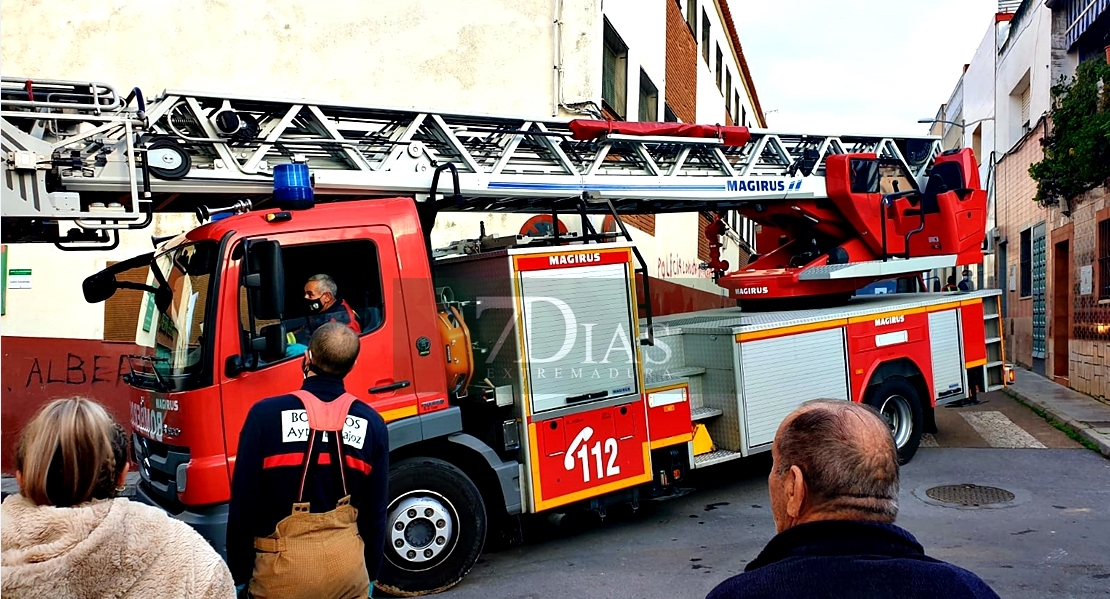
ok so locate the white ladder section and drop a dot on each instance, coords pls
(994, 371)
(85, 139)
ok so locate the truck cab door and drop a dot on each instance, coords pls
(363, 264)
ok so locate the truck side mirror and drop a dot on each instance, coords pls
(103, 285)
(271, 343)
(99, 287)
(266, 278)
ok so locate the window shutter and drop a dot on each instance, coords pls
(121, 311)
(728, 96)
(703, 242)
(1025, 110)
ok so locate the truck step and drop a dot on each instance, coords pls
(715, 457)
(703, 413)
(685, 372)
(657, 377)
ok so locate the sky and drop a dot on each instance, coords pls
(858, 66)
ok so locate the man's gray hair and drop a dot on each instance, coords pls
(847, 457)
(326, 283)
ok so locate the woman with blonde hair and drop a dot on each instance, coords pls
(66, 534)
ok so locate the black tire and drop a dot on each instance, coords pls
(897, 400)
(442, 521)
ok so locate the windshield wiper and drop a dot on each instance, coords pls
(163, 386)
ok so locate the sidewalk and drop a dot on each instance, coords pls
(1085, 415)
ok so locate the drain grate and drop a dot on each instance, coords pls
(970, 495)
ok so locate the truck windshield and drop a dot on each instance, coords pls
(174, 338)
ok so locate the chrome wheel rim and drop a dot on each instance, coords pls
(898, 415)
(422, 528)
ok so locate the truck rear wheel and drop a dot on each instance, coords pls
(435, 527)
(897, 400)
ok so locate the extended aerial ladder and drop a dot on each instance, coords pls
(82, 162)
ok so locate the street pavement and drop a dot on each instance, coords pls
(1050, 540)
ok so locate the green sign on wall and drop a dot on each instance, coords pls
(3, 279)
(148, 312)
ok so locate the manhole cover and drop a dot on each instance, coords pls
(970, 495)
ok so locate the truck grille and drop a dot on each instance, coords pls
(158, 464)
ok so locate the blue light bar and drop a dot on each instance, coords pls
(293, 186)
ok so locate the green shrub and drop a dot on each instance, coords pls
(1077, 153)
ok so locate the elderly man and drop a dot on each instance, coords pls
(834, 498)
(322, 298)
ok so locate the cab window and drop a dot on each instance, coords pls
(353, 267)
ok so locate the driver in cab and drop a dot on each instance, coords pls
(324, 305)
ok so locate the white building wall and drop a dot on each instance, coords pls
(534, 59)
(711, 99)
(1024, 59)
(53, 306)
(979, 133)
(642, 24)
(978, 99)
(472, 56)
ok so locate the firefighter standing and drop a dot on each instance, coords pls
(309, 488)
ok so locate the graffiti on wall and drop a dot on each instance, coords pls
(673, 265)
(37, 370)
(76, 370)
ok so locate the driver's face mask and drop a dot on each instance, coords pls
(315, 305)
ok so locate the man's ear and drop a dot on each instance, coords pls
(795, 491)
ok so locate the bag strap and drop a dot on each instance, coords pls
(326, 416)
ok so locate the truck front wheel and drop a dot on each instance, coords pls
(436, 527)
(898, 402)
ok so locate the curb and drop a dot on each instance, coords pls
(1080, 428)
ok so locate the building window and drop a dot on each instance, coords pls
(649, 99)
(121, 311)
(668, 115)
(692, 16)
(705, 36)
(728, 94)
(720, 66)
(743, 113)
(614, 75)
(1019, 122)
(703, 241)
(1104, 259)
(1026, 275)
(1025, 111)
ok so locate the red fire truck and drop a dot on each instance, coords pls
(517, 375)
